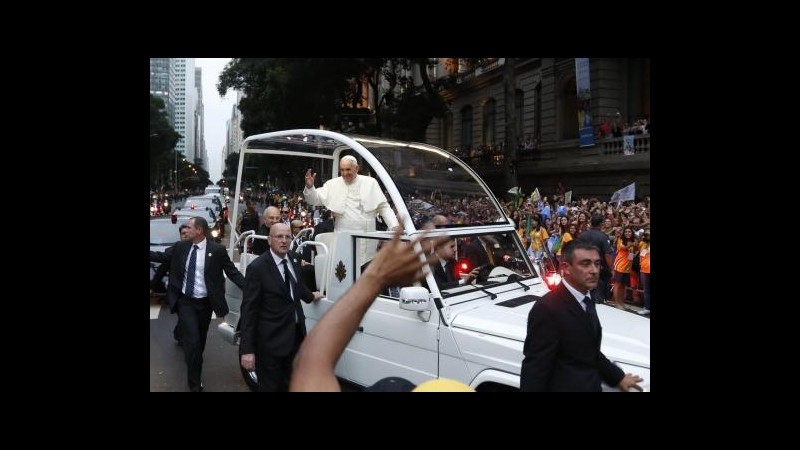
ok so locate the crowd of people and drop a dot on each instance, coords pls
(544, 225)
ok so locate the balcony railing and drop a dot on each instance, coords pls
(462, 77)
(561, 155)
(616, 146)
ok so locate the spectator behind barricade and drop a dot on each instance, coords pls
(644, 270)
(545, 211)
(605, 128)
(622, 266)
(616, 126)
(552, 226)
(607, 228)
(538, 236)
(521, 233)
(583, 223)
(566, 236)
(563, 223)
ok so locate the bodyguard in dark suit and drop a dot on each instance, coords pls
(562, 348)
(196, 287)
(444, 269)
(273, 324)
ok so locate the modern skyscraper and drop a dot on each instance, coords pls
(169, 81)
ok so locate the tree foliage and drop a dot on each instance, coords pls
(283, 93)
(163, 139)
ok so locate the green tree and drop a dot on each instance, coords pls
(231, 166)
(282, 93)
(163, 139)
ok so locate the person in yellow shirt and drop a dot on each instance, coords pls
(568, 236)
(538, 237)
(521, 233)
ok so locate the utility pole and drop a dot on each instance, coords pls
(509, 90)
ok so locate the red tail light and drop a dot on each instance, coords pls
(463, 266)
(552, 279)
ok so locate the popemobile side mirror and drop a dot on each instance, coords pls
(415, 298)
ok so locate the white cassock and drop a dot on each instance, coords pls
(355, 207)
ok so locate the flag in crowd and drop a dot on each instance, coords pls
(535, 195)
(624, 194)
(528, 226)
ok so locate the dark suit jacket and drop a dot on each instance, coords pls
(259, 245)
(217, 261)
(475, 253)
(442, 279)
(267, 322)
(562, 352)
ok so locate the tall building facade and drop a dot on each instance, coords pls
(160, 84)
(201, 155)
(179, 84)
(546, 108)
(183, 91)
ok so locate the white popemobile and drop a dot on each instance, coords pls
(473, 333)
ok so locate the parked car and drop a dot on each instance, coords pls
(473, 333)
(164, 232)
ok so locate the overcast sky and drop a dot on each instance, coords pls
(217, 110)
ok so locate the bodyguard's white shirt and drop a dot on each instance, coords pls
(278, 261)
(577, 294)
(199, 270)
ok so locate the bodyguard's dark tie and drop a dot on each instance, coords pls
(287, 280)
(590, 309)
(286, 277)
(190, 272)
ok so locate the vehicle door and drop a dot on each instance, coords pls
(391, 341)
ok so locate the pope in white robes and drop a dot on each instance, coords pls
(355, 201)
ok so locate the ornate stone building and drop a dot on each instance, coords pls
(546, 107)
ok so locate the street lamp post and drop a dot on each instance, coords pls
(176, 172)
(178, 180)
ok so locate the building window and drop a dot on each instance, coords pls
(537, 112)
(466, 127)
(568, 106)
(519, 103)
(489, 114)
(447, 131)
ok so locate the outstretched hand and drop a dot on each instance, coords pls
(310, 178)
